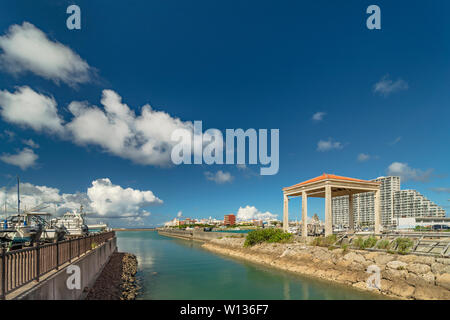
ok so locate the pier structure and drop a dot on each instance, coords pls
(328, 186)
(42, 272)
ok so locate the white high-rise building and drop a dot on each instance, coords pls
(394, 203)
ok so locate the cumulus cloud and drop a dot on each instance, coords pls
(219, 177)
(144, 139)
(405, 172)
(327, 145)
(24, 159)
(318, 116)
(112, 200)
(362, 157)
(250, 213)
(27, 108)
(179, 214)
(25, 48)
(387, 86)
(30, 143)
(103, 200)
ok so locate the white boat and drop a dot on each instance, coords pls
(73, 222)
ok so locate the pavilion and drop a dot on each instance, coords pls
(328, 186)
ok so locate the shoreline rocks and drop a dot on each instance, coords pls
(130, 288)
(117, 280)
(400, 276)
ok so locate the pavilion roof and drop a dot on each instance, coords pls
(326, 176)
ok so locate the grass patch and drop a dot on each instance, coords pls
(270, 235)
(324, 242)
(383, 244)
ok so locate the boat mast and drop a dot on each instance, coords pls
(18, 196)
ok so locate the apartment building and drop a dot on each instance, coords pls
(394, 203)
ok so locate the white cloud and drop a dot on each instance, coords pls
(250, 213)
(327, 145)
(144, 139)
(28, 49)
(386, 86)
(318, 116)
(405, 172)
(179, 214)
(103, 199)
(112, 200)
(24, 159)
(30, 143)
(362, 157)
(28, 108)
(219, 177)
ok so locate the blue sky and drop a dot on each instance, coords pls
(382, 97)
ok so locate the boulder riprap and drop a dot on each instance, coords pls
(401, 276)
(130, 288)
(117, 280)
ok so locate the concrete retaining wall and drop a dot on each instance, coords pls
(55, 287)
(198, 234)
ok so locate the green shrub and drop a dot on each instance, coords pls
(383, 244)
(403, 245)
(270, 235)
(359, 243)
(369, 242)
(324, 242)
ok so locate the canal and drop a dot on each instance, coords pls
(172, 268)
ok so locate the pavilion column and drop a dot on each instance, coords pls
(304, 214)
(328, 213)
(377, 212)
(286, 213)
(351, 217)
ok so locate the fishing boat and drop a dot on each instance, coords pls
(73, 222)
(20, 230)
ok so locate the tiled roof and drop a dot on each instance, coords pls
(327, 176)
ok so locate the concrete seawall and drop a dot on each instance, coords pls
(54, 286)
(199, 235)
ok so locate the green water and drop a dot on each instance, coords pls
(172, 268)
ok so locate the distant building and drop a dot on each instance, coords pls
(436, 223)
(394, 204)
(229, 220)
(258, 223)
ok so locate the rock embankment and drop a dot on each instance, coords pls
(400, 276)
(130, 288)
(117, 280)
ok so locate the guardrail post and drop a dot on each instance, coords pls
(57, 255)
(38, 262)
(70, 250)
(3, 273)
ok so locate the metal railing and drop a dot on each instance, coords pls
(20, 267)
